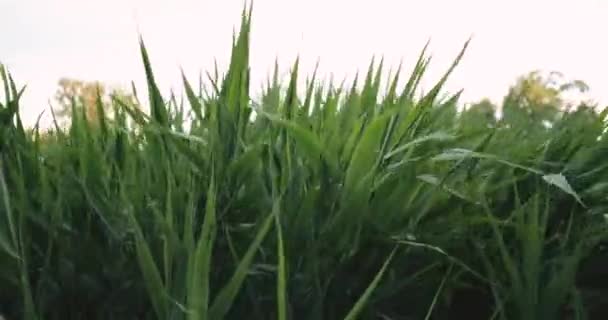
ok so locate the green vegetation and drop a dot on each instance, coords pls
(332, 203)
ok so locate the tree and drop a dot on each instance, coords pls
(80, 93)
(485, 108)
(478, 116)
(540, 96)
(85, 95)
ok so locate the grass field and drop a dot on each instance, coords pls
(332, 203)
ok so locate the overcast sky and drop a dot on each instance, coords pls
(43, 40)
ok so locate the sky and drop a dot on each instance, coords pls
(44, 40)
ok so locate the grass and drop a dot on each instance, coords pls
(332, 203)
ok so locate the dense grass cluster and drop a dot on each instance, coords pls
(332, 203)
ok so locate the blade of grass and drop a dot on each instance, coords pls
(199, 279)
(364, 299)
(225, 298)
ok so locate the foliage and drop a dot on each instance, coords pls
(85, 95)
(542, 95)
(330, 203)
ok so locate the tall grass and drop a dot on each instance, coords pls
(332, 203)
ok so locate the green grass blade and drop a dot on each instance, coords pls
(199, 279)
(8, 238)
(305, 139)
(362, 301)
(224, 300)
(195, 104)
(150, 273)
(364, 158)
(435, 298)
(281, 273)
(157, 105)
(561, 182)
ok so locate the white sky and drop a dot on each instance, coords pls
(43, 40)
